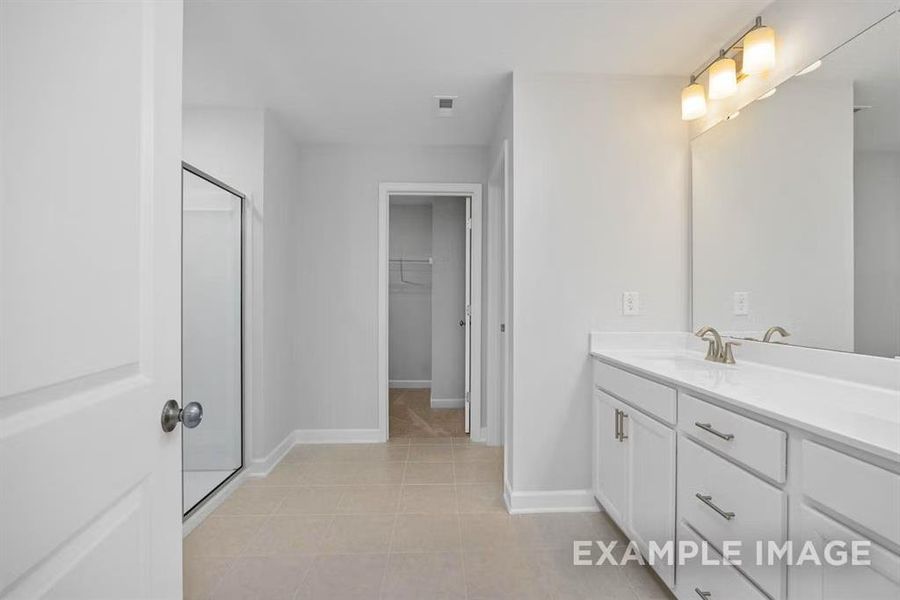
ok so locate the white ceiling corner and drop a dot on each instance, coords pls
(366, 71)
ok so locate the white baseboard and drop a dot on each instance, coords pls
(212, 503)
(338, 436)
(448, 402)
(261, 467)
(410, 383)
(556, 501)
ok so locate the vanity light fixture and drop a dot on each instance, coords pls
(722, 77)
(693, 101)
(759, 49)
(768, 94)
(756, 50)
(810, 68)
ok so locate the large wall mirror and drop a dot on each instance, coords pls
(796, 206)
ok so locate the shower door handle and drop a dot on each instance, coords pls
(190, 416)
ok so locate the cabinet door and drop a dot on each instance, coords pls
(879, 580)
(651, 486)
(610, 465)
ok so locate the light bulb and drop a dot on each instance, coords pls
(722, 78)
(693, 102)
(759, 50)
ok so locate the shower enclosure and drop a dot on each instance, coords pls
(212, 274)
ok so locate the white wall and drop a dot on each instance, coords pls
(281, 288)
(246, 149)
(876, 221)
(601, 195)
(773, 216)
(336, 245)
(409, 328)
(448, 305)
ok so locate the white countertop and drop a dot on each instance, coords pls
(863, 416)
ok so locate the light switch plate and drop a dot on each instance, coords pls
(631, 303)
(742, 303)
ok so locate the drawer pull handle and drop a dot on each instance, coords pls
(618, 425)
(709, 428)
(703, 594)
(707, 500)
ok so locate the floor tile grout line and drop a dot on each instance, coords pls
(387, 565)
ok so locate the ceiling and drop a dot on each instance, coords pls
(366, 71)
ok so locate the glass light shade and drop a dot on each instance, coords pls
(759, 51)
(693, 102)
(722, 79)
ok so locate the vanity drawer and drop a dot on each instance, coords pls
(860, 491)
(723, 502)
(652, 397)
(758, 446)
(879, 580)
(720, 582)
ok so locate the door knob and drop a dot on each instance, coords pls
(190, 416)
(462, 322)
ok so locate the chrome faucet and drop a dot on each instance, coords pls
(773, 330)
(718, 351)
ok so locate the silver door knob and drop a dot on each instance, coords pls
(190, 416)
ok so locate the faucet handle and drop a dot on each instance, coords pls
(728, 353)
(712, 351)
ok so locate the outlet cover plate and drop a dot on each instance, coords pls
(631, 303)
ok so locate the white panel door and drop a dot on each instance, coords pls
(468, 316)
(90, 114)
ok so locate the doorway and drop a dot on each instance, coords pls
(212, 318)
(430, 310)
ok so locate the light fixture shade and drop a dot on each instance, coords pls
(722, 79)
(759, 51)
(693, 102)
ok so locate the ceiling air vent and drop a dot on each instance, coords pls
(445, 105)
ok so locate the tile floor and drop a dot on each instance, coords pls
(415, 518)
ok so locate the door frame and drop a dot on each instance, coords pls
(242, 289)
(385, 191)
(497, 380)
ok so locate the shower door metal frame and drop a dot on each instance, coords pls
(185, 166)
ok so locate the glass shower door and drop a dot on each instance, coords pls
(211, 332)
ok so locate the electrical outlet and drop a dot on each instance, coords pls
(631, 303)
(742, 303)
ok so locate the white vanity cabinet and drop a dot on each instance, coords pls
(634, 473)
(740, 477)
